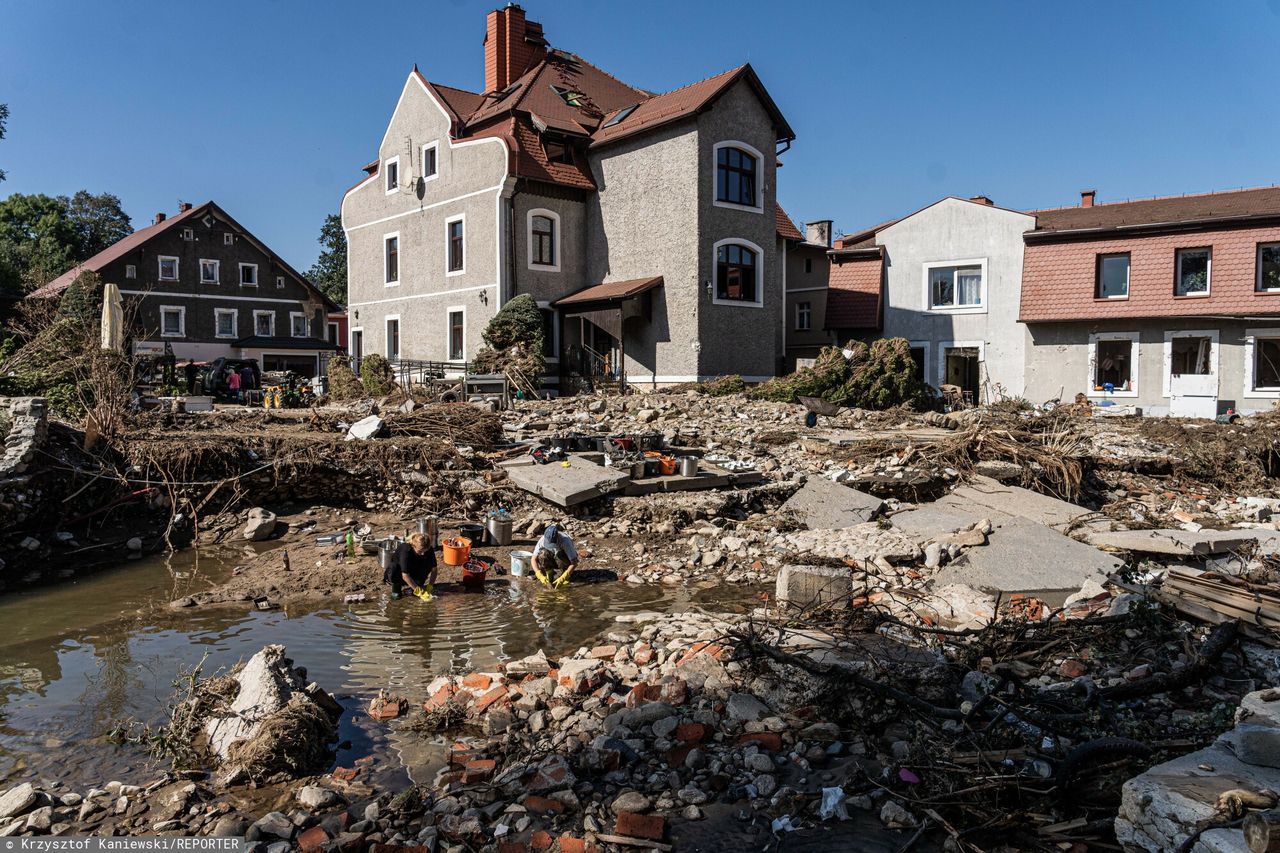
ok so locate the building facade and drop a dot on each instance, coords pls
(204, 286)
(644, 225)
(807, 272)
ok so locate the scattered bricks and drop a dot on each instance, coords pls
(482, 704)
(603, 652)
(480, 770)
(1072, 668)
(692, 732)
(689, 655)
(460, 754)
(385, 708)
(312, 839)
(439, 698)
(542, 805)
(477, 681)
(345, 774)
(643, 655)
(569, 844)
(541, 840)
(768, 741)
(632, 825)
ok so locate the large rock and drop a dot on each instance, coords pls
(744, 708)
(926, 523)
(825, 505)
(365, 428)
(18, 801)
(260, 525)
(1178, 543)
(815, 586)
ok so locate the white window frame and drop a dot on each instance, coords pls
(545, 305)
(808, 324)
(1257, 269)
(188, 234)
(182, 321)
(235, 322)
(1177, 272)
(217, 271)
(386, 260)
(738, 303)
(240, 277)
(1097, 276)
(758, 207)
(386, 175)
(228, 239)
(131, 271)
(272, 331)
(351, 341)
(1251, 338)
(461, 217)
(448, 330)
(940, 367)
(306, 325)
(331, 330)
(930, 308)
(927, 346)
(528, 231)
(177, 268)
(430, 146)
(1135, 370)
(386, 337)
(279, 282)
(1215, 352)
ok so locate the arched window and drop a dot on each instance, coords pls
(736, 180)
(737, 273)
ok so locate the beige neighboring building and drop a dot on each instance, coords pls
(807, 269)
(644, 225)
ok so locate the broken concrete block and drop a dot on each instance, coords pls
(927, 523)
(825, 505)
(1023, 556)
(861, 542)
(1178, 543)
(365, 428)
(999, 499)
(814, 586)
(581, 481)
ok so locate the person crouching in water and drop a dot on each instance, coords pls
(554, 557)
(413, 565)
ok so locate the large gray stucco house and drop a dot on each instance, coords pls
(645, 225)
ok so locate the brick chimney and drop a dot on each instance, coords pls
(512, 45)
(159, 218)
(1086, 197)
(982, 199)
(818, 233)
(184, 206)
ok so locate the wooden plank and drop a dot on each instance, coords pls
(634, 842)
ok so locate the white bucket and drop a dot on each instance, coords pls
(521, 562)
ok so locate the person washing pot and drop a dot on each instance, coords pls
(413, 565)
(554, 557)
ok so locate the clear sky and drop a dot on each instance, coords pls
(270, 107)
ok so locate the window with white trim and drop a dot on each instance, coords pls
(738, 270)
(248, 275)
(737, 175)
(391, 259)
(279, 282)
(1113, 276)
(1114, 364)
(804, 316)
(264, 324)
(188, 234)
(173, 321)
(455, 245)
(130, 271)
(457, 334)
(959, 286)
(168, 268)
(392, 170)
(544, 240)
(1266, 364)
(393, 338)
(209, 271)
(228, 239)
(1192, 276)
(225, 321)
(298, 324)
(430, 168)
(1269, 268)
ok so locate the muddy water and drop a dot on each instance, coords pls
(78, 658)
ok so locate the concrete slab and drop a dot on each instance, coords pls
(1023, 556)
(826, 505)
(1173, 542)
(710, 477)
(932, 520)
(581, 481)
(1016, 501)
(815, 586)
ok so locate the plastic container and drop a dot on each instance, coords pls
(473, 572)
(500, 529)
(474, 532)
(456, 550)
(667, 464)
(521, 563)
(688, 466)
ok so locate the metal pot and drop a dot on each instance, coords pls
(688, 466)
(653, 467)
(638, 470)
(430, 528)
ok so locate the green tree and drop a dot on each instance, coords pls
(4, 118)
(98, 221)
(37, 241)
(329, 272)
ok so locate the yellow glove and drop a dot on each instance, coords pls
(564, 578)
(424, 592)
(543, 579)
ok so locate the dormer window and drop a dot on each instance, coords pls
(558, 151)
(737, 175)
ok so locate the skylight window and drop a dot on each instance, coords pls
(569, 96)
(621, 116)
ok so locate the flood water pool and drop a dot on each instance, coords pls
(77, 659)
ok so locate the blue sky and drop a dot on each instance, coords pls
(271, 106)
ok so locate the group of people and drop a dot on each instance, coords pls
(413, 564)
(235, 381)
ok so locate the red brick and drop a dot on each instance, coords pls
(477, 681)
(312, 839)
(1072, 668)
(643, 655)
(346, 774)
(439, 698)
(634, 825)
(460, 754)
(692, 732)
(603, 652)
(384, 709)
(512, 847)
(541, 840)
(480, 770)
(482, 704)
(674, 692)
(768, 741)
(569, 844)
(542, 805)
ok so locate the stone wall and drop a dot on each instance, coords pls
(27, 419)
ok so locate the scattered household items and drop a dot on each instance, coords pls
(456, 550)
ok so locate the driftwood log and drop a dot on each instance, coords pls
(1262, 831)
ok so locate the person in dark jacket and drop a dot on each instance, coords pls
(190, 370)
(247, 379)
(413, 565)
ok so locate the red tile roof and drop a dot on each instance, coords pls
(610, 291)
(786, 228)
(853, 292)
(1171, 210)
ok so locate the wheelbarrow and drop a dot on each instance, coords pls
(817, 406)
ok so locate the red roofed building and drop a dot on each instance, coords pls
(558, 180)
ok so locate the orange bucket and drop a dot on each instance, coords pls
(456, 550)
(473, 572)
(668, 465)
